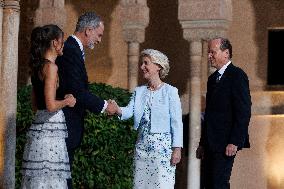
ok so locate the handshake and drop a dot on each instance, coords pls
(112, 108)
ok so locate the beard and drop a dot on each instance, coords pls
(91, 45)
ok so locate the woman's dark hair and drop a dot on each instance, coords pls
(41, 38)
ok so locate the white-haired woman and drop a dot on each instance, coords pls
(157, 115)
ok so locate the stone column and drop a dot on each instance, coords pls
(200, 20)
(133, 61)
(2, 139)
(135, 18)
(9, 71)
(50, 12)
(195, 52)
(1, 25)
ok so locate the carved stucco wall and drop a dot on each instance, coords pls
(249, 36)
(108, 63)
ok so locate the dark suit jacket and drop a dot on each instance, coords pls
(73, 79)
(228, 111)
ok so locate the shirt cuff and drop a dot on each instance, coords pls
(105, 106)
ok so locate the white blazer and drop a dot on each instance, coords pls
(166, 113)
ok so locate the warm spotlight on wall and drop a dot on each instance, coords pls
(276, 176)
(275, 156)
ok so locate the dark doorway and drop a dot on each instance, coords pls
(275, 75)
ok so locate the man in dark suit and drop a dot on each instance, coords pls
(73, 79)
(227, 115)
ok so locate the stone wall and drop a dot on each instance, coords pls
(249, 36)
(260, 166)
(108, 63)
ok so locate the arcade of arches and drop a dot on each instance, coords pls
(179, 28)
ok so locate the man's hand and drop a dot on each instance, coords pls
(70, 100)
(200, 152)
(112, 108)
(231, 150)
(176, 156)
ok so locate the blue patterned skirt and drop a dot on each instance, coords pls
(152, 168)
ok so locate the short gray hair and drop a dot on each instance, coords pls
(159, 58)
(88, 19)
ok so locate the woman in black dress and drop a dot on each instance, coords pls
(45, 160)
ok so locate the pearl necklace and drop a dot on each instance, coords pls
(155, 88)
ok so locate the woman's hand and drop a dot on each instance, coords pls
(176, 156)
(116, 108)
(70, 100)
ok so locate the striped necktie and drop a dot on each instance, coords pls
(218, 75)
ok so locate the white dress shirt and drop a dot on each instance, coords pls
(222, 70)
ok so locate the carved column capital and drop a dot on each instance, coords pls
(11, 4)
(135, 18)
(205, 9)
(50, 12)
(203, 19)
(195, 30)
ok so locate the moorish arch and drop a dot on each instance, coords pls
(199, 20)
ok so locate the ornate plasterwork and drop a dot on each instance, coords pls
(134, 18)
(11, 4)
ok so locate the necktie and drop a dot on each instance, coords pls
(83, 54)
(218, 77)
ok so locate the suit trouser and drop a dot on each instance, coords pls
(218, 168)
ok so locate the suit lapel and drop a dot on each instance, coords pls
(211, 86)
(225, 76)
(73, 43)
(81, 64)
